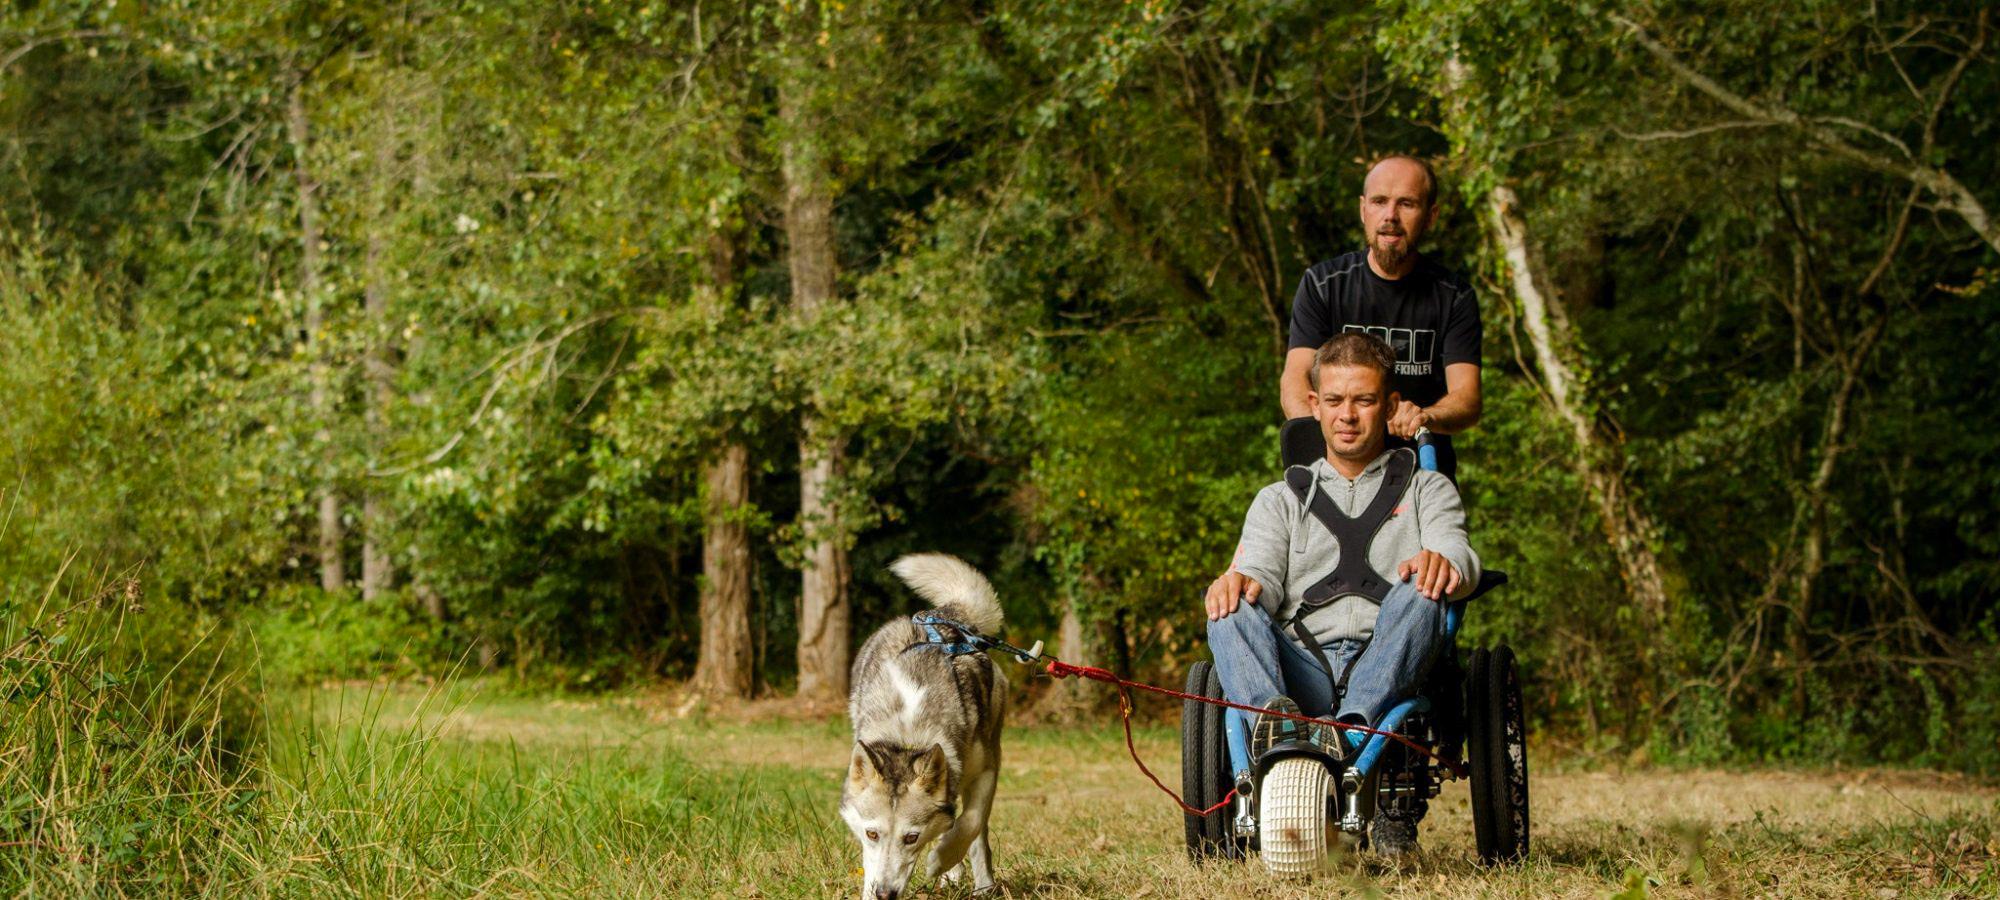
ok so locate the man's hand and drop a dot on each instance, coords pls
(1222, 594)
(1408, 419)
(1436, 577)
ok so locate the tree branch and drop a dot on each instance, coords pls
(500, 365)
(1895, 243)
(1951, 81)
(1697, 131)
(1954, 195)
(1889, 50)
(1869, 130)
(29, 46)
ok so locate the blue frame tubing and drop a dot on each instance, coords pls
(1236, 726)
(1364, 763)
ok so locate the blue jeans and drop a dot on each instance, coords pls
(1255, 661)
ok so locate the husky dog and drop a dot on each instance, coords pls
(926, 735)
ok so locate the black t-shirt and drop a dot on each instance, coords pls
(1429, 317)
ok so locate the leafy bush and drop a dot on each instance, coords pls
(1976, 747)
(304, 634)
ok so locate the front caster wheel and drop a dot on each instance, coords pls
(1291, 815)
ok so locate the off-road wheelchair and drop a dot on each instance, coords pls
(1468, 718)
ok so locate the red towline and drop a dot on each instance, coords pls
(1059, 669)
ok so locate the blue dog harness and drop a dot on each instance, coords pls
(965, 639)
(968, 640)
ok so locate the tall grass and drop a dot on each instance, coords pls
(122, 740)
(370, 804)
(136, 759)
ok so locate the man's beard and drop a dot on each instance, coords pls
(1392, 257)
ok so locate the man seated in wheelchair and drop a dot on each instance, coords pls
(1344, 568)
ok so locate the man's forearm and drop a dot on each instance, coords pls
(1441, 515)
(1264, 551)
(1294, 391)
(1452, 414)
(1293, 399)
(1458, 409)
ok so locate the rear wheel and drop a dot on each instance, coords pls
(1497, 751)
(1291, 815)
(1194, 787)
(1205, 776)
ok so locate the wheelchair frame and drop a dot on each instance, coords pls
(1470, 713)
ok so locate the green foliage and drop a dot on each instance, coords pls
(1974, 743)
(1724, 268)
(123, 439)
(552, 284)
(1146, 454)
(305, 636)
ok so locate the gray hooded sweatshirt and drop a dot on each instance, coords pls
(1287, 550)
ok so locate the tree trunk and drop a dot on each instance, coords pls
(1072, 699)
(332, 570)
(723, 668)
(433, 601)
(824, 628)
(823, 647)
(378, 569)
(1585, 281)
(1600, 459)
(1070, 637)
(726, 663)
(1114, 641)
(1241, 193)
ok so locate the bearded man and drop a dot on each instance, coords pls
(1424, 312)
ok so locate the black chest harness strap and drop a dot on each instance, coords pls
(1355, 535)
(1351, 574)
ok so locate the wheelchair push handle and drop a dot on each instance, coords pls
(1427, 454)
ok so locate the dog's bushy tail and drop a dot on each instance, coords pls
(952, 585)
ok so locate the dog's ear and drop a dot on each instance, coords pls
(863, 764)
(930, 770)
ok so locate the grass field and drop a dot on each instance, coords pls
(407, 791)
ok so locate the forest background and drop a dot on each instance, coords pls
(601, 344)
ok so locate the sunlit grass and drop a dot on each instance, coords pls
(156, 774)
(1075, 818)
(374, 806)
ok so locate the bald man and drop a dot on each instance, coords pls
(1425, 312)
